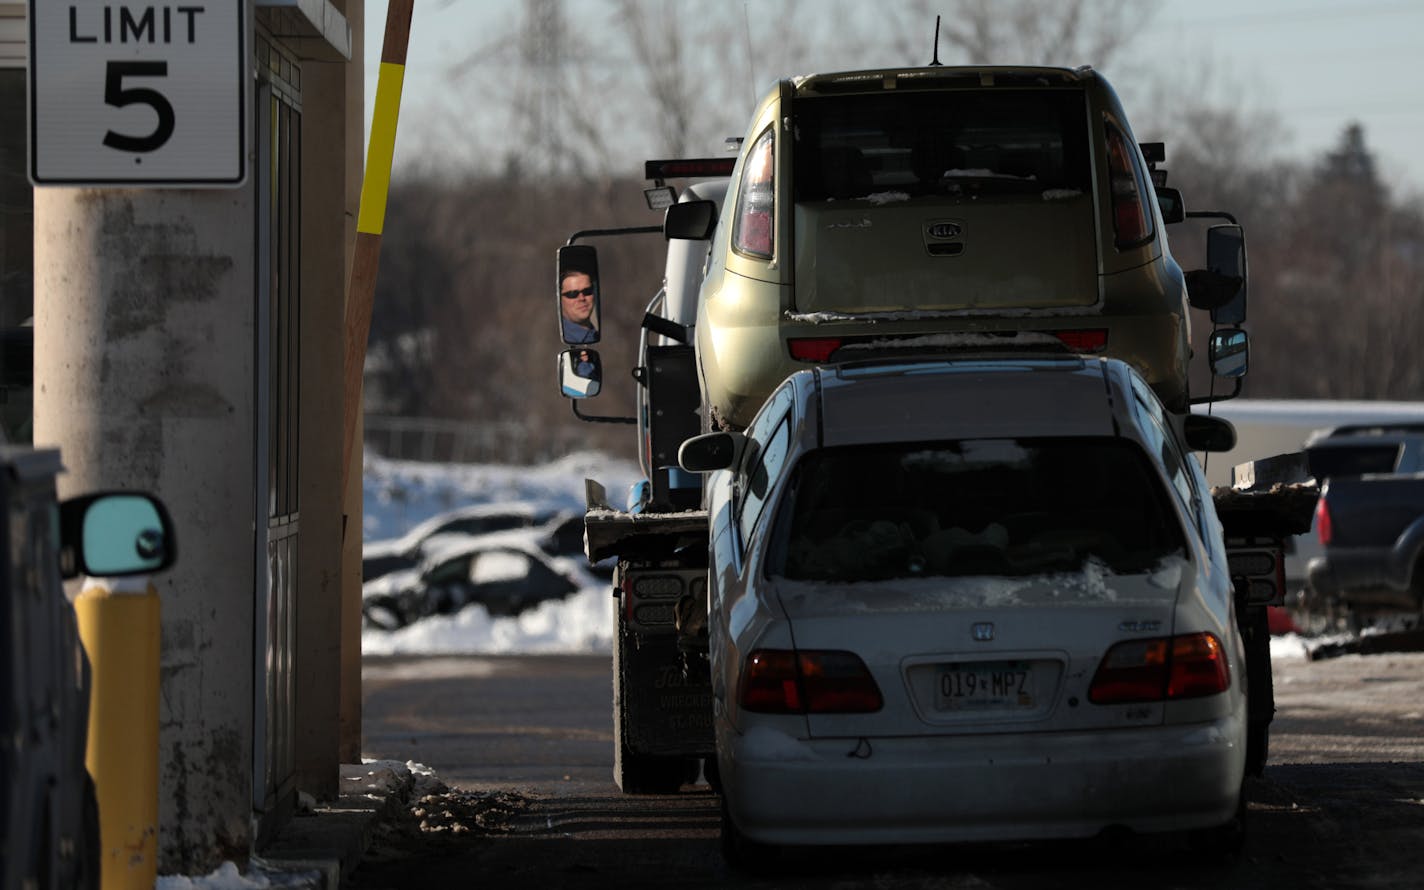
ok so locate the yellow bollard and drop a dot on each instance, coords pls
(120, 632)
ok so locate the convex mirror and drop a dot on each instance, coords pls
(1228, 352)
(113, 534)
(580, 373)
(578, 294)
(690, 220)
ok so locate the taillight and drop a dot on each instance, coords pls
(1187, 666)
(756, 200)
(778, 681)
(813, 349)
(1323, 530)
(1129, 212)
(1089, 340)
(1198, 667)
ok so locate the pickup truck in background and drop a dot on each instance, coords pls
(1370, 519)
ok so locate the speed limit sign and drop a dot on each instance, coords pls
(135, 94)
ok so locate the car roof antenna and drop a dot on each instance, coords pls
(935, 62)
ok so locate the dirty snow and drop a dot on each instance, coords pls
(883, 198)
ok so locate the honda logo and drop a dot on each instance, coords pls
(944, 230)
(983, 631)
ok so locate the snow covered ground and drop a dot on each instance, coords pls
(399, 494)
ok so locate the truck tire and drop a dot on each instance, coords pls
(1260, 690)
(633, 771)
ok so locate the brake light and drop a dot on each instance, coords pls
(1129, 213)
(1167, 668)
(813, 349)
(1198, 667)
(1090, 340)
(756, 199)
(1323, 528)
(778, 681)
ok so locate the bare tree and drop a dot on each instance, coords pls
(1021, 32)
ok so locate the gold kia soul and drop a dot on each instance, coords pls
(936, 208)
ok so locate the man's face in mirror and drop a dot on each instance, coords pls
(576, 298)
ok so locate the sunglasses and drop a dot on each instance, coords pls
(575, 294)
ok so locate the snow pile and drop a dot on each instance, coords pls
(400, 494)
(580, 623)
(227, 877)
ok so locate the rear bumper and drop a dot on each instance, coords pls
(981, 788)
(1370, 576)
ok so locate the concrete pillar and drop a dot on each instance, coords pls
(144, 370)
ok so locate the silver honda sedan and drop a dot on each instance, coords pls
(970, 600)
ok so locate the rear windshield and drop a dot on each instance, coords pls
(1356, 460)
(972, 507)
(941, 142)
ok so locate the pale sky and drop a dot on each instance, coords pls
(1318, 64)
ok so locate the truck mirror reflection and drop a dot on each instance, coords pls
(577, 283)
(1229, 353)
(580, 373)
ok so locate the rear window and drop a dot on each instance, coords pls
(942, 142)
(973, 507)
(1356, 460)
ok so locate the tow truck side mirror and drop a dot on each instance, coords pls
(580, 373)
(1206, 433)
(1221, 286)
(690, 220)
(711, 451)
(577, 297)
(114, 534)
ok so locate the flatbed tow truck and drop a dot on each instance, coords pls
(663, 704)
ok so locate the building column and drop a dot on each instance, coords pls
(144, 377)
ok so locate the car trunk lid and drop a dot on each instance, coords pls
(983, 654)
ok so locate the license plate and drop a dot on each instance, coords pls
(986, 685)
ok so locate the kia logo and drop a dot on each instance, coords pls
(983, 631)
(944, 230)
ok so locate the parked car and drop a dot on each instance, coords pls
(504, 574)
(49, 814)
(557, 532)
(1370, 519)
(969, 601)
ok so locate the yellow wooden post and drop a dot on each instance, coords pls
(120, 633)
(372, 216)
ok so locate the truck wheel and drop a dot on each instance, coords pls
(1260, 690)
(651, 774)
(712, 773)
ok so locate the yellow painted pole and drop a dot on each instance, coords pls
(120, 633)
(372, 215)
